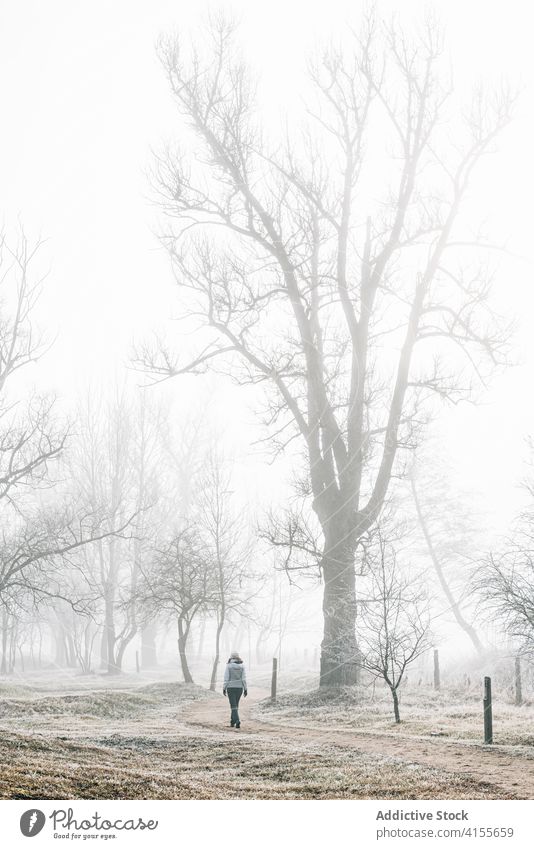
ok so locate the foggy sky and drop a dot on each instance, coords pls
(84, 100)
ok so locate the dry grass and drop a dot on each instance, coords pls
(109, 703)
(455, 714)
(197, 767)
(126, 739)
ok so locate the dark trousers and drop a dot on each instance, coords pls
(234, 694)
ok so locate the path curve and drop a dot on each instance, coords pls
(509, 769)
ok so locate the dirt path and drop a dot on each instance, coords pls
(509, 771)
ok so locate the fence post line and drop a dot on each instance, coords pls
(273, 679)
(488, 715)
(437, 679)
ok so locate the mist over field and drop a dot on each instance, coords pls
(265, 361)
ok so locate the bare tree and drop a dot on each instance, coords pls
(32, 555)
(82, 630)
(506, 585)
(446, 547)
(504, 579)
(20, 626)
(351, 306)
(181, 585)
(100, 466)
(148, 432)
(37, 560)
(265, 621)
(30, 439)
(9, 634)
(40, 533)
(227, 539)
(76, 621)
(114, 464)
(394, 623)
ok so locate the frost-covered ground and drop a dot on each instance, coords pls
(454, 713)
(68, 736)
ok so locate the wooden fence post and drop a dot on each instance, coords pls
(437, 680)
(273, 679)
(137, 662)
(488, 716)
(518, 685)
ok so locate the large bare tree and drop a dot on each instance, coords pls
(324, 261)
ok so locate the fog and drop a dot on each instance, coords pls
(86, 106)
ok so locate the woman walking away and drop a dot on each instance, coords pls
(235, 683)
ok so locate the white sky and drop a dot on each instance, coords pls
(83, 100)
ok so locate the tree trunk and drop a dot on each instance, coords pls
(236, 639)
(70, 650)
(109, 628)
(60, 653)
(453, 604)
(226, 643)
(12, 650)
(265, 629)
(89, 639)
(103, 649)
(182, 642)
(220, 626)
(437, 676)
(200, 647)
(119, 658)
(518, 684)
(3, 668)
(339, 652)
(122, 645)
(149, 658)
(395, 704)
(259, 645)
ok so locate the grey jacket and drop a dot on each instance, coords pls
(234, 675)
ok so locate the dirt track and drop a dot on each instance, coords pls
(507, 769)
